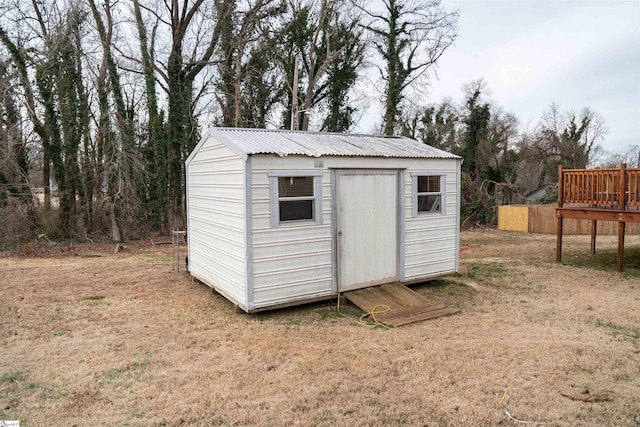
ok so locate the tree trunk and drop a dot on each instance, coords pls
(179, 130)
(46, 182)
(157, 153)
(238, 80)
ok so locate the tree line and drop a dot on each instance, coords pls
(101, 101)
(502, 162)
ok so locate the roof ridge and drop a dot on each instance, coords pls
(309, 132)
(250, 141)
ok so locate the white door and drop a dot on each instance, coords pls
(367, 215)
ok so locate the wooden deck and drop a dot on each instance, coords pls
(598, 195)
(406, 306)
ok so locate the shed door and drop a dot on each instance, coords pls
(367, 215)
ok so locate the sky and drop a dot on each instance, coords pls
(576, 53)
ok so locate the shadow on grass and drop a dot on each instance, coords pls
(308, 313)
(606, 261)
(440, 287)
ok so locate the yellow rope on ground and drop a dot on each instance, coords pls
(385, 308)
(418, 360)
(372, 313)
(503, 396)
(338, 308)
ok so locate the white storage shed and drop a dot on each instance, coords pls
(277, 218)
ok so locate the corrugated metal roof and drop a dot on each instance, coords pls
(315, 144)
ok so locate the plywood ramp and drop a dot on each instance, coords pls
(406, 305)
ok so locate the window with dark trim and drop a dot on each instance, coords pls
(295, 198)
(427, 194)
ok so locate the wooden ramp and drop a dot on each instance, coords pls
(406, 305)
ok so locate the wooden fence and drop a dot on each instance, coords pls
(542, 219)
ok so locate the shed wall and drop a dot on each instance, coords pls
(216, 220)
(431, 243)
(295, 261)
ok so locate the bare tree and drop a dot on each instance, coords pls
(121, 163)
(264, 87)
(57, 104)
(156, 144)
(184, 44)
(182, 68)
(567, 138)
(593, 134)
(435, 125)
(13, 151)
(17, 208)
(630, 156)
(322, 44)
(240, 28)
(410, 36)
(559, 138)
(328, 46)
(20, 62)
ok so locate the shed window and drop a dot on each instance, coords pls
(427, 194)
(295, 196)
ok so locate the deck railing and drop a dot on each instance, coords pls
(605, 188)
(633, 187)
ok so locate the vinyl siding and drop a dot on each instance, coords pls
(215, 211)
(293, 261)
(431, 244)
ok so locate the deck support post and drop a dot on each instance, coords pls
(622, 205)
(617, 190)
(559, 216)
(621, 230)
(622, 190)
(559, 239)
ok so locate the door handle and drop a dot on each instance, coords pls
(339, 233)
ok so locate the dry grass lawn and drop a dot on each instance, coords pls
(121, 340)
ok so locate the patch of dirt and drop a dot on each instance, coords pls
(121, 339)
